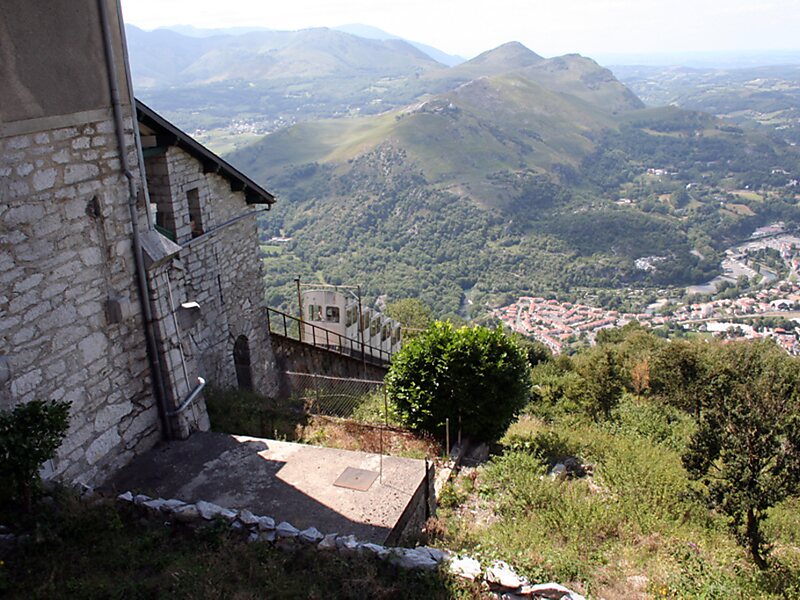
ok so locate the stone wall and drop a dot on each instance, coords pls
(420, 508)
(65, 249)
(294, 356)
(219, 269)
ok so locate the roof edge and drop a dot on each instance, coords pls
(253, 192)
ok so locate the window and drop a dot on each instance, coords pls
(332, 314)
(374, 327)
(396, 335)
(386, 332)
(352, 316)
(314, 312)
(195, 214)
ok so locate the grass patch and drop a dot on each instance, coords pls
(244, 412)
(347, 434)
(630, 530)
(241, 412)
(78, 551)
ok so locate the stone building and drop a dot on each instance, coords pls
(128, 252)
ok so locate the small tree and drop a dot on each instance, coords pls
(476, 374)
(413, 314)
(603, 376)
(29, 435)
(746, 449)
(681, 374)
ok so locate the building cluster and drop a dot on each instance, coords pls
(556, 324)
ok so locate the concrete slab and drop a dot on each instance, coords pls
(286, 481)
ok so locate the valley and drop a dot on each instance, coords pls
(467, 186)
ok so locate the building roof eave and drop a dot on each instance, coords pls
(253, 192)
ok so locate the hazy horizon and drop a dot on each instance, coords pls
(601, 29)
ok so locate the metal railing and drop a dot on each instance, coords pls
(297, 329)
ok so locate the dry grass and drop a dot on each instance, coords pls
(346, 434)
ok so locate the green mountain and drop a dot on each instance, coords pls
(267, 56)
(261, 81)
(539, 175)
(460, 138)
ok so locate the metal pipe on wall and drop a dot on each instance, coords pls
(141, 277)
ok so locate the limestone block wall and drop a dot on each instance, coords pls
(220, 270)
(294, 356)
(65, 248)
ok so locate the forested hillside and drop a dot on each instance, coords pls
(538, 179)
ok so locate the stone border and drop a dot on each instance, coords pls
(500, 578)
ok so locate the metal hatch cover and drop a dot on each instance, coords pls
(356, 479)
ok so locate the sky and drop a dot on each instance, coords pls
(549, 27)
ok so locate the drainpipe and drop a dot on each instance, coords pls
(141, 277)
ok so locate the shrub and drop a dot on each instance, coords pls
(30, 434)
(476, 374)
(660, 423)
(546, 445)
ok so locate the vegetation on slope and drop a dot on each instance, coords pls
(628, 516)
(94, 551)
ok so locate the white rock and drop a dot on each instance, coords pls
(435, 553)
(186, 514)
(501, 573)
(209, 510)
(553, 591)
(140, 499)
(266, 523)
(466, 567)
(248, 518)
(328, 542)
(156, 504)
(172, 505)
(267, 536)
(347, 544)
(376, 549)
(125, 497)
(408, 558)
(286, 530)
(311, 535)
(253, 537)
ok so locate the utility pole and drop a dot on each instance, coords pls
(361, 331)
(300, 306)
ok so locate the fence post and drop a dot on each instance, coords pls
(447, 436)
(427, 490)
(316, 389)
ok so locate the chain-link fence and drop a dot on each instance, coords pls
(363, 400)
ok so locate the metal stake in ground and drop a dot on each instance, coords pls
(385, 425)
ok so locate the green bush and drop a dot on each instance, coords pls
(660, 423)
(30, 434)
(546, 445)
(372, 409)
(477, 375)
